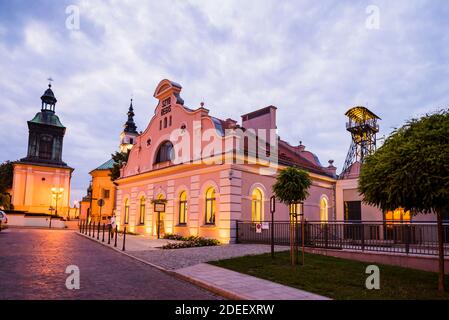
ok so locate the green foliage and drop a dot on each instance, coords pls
(188, 242)
(411, 169)
(119, 159)
(337, 278)
(6, 176)
(291, 185)
(5, 201)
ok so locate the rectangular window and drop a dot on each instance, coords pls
(210, 211)
(106, 194)
(142, 212)
(182, 212)
(353, 211)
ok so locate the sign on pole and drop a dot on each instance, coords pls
(100, 202)
(272, 204)
(159, 206)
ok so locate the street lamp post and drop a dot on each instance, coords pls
(75, 204)
(57, 194)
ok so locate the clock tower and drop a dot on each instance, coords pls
(41, 181)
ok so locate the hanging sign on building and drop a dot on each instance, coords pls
(159, 206)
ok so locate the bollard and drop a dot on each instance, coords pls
(88, 227)
(124, 238)
(93, 230)
(0, 225)
(98, 231)
(102, 240)
(109, 234)
(116, 236)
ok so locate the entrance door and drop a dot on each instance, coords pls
(161, 228)
(159, 220)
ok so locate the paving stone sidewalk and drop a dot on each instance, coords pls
(189, 264)
(236, 285)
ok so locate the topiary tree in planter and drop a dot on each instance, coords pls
(411, 171)
(291, 187)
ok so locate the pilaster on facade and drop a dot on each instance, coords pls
(230, 206)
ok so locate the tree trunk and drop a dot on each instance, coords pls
(292, 242)
(440, 251)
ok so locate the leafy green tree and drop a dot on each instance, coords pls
(291, 187)
(120, 158)
(411, 171)
(6, 177)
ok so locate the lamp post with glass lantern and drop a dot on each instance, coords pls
(56, 194)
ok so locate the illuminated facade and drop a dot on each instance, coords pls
(41, 182)
(208, 183)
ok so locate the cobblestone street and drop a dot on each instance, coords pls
(33, 264)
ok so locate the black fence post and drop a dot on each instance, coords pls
(102, 240)
(93, 230)
(90, 225)
(407, 238)
(116, 236)
(109, 234)
(124, 238)
(326, 236)
(237, 231)
(362, 227)
(98, 231)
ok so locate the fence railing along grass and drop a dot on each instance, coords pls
(385, 236)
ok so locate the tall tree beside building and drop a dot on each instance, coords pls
(291, 187)
(120, 158)
(411, 171)
(6, 176)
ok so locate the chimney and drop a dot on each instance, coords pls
(264, 118)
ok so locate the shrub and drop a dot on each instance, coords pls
(189, 242)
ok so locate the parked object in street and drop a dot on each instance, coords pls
(3, 217)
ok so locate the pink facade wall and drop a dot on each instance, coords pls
(141, 178)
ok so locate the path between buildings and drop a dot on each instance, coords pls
(190, 264)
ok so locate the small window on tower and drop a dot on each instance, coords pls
(131, 140)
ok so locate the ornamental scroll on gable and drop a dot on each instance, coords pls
(168, 94)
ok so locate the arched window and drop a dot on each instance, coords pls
(210, 206)
(257, 205)
(165, 122)
(165, 152)
(126, 215)
(323, 210)
(183, 207)
(142, 211)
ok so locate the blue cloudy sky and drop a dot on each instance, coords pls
(311, 59)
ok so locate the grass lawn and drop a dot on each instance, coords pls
(338, 278)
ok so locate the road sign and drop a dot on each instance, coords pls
(100, 202)
(258, 228)
(272, 204)
(159, 206)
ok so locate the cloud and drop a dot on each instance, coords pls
(313, 61)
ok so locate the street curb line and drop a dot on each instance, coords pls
(219, 291)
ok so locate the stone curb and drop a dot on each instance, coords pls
(214, 289)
